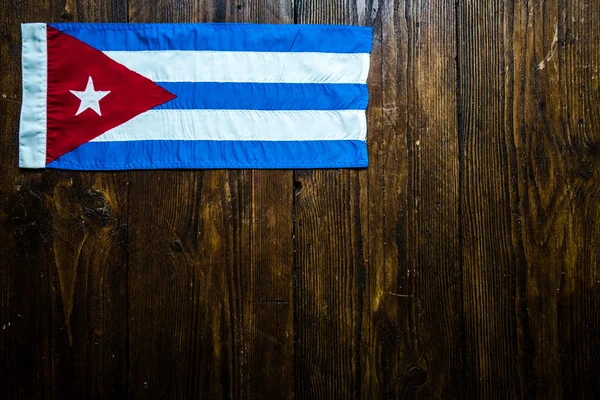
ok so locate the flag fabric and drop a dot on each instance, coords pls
(148, 96)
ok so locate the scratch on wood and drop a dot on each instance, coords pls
(552, 51)
(400, 295)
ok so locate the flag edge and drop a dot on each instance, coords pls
(32, 126)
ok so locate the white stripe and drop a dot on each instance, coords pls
(240, 125)
(240, 66)
(32, 130)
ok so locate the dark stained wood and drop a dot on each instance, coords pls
(181, 333)
(491, 263)
(421, 289)
(529, 197)
(64, 250)
(223, 241)
(89, 289)
(556, 144)
(330, 273)
(463, 263)
(408, 251)
(267, 258)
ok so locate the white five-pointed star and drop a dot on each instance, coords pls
(90, 98)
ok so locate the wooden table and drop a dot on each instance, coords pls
(463, 263)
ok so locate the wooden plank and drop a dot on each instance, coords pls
(330, 273)
(329, 283)
(492, 265)
(413, 232)
(24, 225)
(429, 266)
(267, 256)
(266, 285)
(409, 208)
(63, 238)
(529, 197)
(379, 347)
(556, 131)
(181, 261)
(213, 299)
(89, 285)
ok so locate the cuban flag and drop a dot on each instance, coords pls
(147, 96)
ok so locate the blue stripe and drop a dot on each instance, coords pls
(222, 37)
(214, 154)
(265, 96)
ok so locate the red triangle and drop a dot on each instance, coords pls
(70, 65)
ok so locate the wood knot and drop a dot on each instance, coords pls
(95, 207)
(416, 376)
(585, 169)
(176, 246)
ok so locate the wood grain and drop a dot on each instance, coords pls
(556, 133)
(64, 241)
(223, 242)
(463, 263)
(529, 107)
(429, 268)
(330, 273)
(491, 264)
